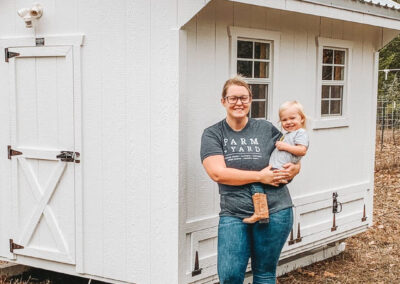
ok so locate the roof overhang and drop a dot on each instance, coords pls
(347, 10)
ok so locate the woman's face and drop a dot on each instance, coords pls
(238, 110)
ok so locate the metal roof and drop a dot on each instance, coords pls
(383, 3)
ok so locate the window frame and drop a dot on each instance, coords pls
(258, 35)
(330, 121)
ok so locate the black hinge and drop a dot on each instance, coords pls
(334, 227)
(364, 218)
(197, 269)
(299, 238)
(9, 54)
(69, 156)
(11, 152)
(291, 240)
(14, 246)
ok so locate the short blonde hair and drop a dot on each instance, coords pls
(237, 81)
(297, 106)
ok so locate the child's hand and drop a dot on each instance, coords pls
(281, 146)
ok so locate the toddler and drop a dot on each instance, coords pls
(289, 149)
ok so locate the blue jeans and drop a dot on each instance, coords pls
(238, 241)
(256, 188)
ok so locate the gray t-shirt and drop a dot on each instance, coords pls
(248, 149)
(279, 158)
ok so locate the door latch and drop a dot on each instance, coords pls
(69, 156)
(336, 204)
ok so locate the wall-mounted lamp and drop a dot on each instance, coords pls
(31, 14)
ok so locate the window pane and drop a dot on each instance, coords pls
(324, 107)
(337, 91)
(259, 91)
(327, 56)
(326, 72)
(339, 56)
(261, 69)
(244, 49)
(325, 91)
(336, 107)
(258, 109)
(261, 50)
(339, 73)
(244, 68)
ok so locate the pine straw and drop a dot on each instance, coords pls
(372, 256)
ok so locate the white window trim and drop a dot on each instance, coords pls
(273, 37)
(321, 122)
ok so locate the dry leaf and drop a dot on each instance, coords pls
(329, 274)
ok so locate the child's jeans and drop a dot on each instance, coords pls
(237, 241)
(256, 188)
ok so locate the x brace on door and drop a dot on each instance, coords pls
(43, 197)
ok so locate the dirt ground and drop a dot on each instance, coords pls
(370, 257)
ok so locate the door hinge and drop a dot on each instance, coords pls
(299, 238)
(334, 227)
(197, 270)
(14, 246)
(69, 156)
(291, 240)
(364, 218)
(12, 152)
(9, 54)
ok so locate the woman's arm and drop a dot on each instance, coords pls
(216, 168)
(297, 150)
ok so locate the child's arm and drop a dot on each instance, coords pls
(297, 150)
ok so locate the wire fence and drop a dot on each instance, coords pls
(388, 120)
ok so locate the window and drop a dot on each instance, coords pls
(252, 53)
(332, 84)
(333, 81)
(253, 62)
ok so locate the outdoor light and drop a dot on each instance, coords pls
(30, 14)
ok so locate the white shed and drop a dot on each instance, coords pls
(103, 104)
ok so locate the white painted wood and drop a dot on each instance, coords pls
(34, 127)
(142, 199)
(326, 11)
(138, 143)
(273, 37)
(320, 122)
(298, 40)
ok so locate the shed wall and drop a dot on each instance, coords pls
(130, 133)
(207, 58)
(330, 161)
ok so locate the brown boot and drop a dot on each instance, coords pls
(261, 212)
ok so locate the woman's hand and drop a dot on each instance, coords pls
(274, 177)
(291, 169)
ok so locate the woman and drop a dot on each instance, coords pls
(235, 153)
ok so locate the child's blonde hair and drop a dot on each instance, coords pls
(297, 106)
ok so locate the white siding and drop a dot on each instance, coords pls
(129, 128)
(329, 164)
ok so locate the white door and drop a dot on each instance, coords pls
(42, 126)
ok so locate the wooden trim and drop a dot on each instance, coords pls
(55, 45)
(274, 38)
(325, 122)
(49, 40)
(79, 255)
(13, 140)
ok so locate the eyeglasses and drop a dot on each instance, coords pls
(233, 99)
